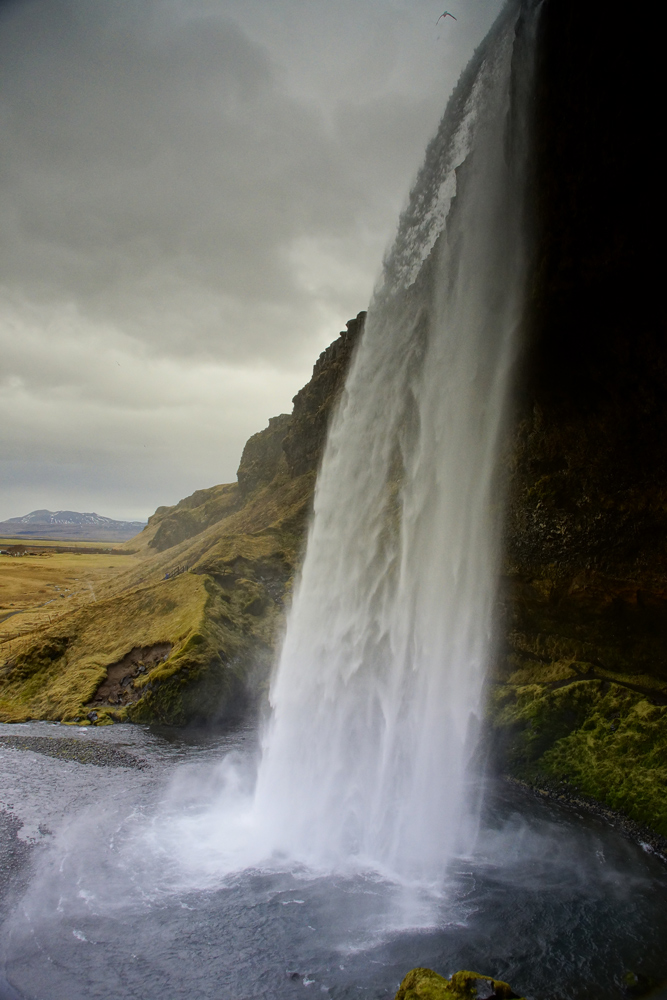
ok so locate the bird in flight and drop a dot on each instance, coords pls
(446, 14)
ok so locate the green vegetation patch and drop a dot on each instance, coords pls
(55, 676)
(594, 737)
(222, 665)
(424, 984)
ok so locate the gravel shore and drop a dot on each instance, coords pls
(68, 748)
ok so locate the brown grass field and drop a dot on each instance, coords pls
(38, 588)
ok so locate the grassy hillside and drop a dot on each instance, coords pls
(40, 582)
(185, 627)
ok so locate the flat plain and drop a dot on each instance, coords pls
(49, 580)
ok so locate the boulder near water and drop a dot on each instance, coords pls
(424, 984)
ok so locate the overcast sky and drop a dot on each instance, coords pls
(195, 195)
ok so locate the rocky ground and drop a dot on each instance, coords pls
(99, 754)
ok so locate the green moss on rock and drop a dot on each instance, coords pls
(593, 737)
(424, 984)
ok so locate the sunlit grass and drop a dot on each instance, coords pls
(37, 589)
(217, 597)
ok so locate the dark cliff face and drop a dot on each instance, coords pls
(263, 456)
(313, 405)
(585, 608)
(595, 383)
(295, 443)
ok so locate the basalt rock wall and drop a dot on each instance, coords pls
(580, 694)
(304, 441)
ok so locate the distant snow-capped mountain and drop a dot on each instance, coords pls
(71, 517)
(64, 525)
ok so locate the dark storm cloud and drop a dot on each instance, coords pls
(194, 196)
(148, 156)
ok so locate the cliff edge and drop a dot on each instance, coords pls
(189, 633)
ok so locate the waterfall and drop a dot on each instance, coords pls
(378, 693)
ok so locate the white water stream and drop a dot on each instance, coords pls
(377, 698)
(168, 871)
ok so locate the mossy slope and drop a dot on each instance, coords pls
(578, 703)
(592, 738)
(55, 677)
(210, 581)
(217, 598)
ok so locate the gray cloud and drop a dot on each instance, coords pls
(192, 191)
(147, 159)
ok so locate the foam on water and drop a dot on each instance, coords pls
(124, 893)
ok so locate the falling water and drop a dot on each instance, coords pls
(378, 693)
(143, 880)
